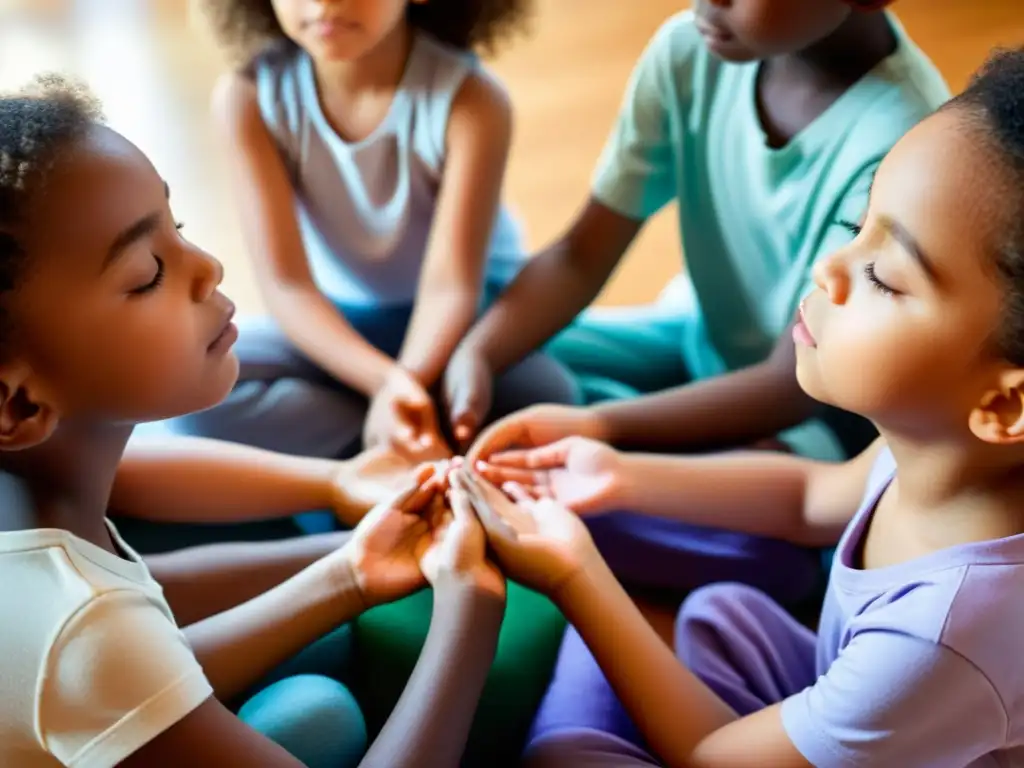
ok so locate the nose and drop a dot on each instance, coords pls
(209, 273)
(832, 275)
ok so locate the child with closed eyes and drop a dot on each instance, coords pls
(109, 317)
(917, 324)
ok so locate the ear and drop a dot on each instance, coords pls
(999, 417)
(27, 416)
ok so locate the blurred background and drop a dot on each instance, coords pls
(153, 67)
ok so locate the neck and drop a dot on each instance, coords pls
(380, 68)
(957, 473)
(66, 482)
(853, 50)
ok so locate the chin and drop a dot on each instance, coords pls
(810, 382)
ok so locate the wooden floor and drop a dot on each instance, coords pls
(154, 72)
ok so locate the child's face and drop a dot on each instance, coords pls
(118, 317)
(331, 30)
(752, 30)
(904, 318)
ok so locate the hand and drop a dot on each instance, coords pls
(375, 475)
(539, 543)
(534, 427)
(468, 382)
(584, 475)
(383, 553)
(402, 416)
(456, 547)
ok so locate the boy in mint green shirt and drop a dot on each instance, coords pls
(764, 120)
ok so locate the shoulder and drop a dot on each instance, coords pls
(117, 674)
(268, 92)
(481, 106)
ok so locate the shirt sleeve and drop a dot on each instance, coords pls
(635, 174)
(895, 699)
(118, 674)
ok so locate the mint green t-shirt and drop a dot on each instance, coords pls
(752, 219)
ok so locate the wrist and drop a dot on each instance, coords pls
(600, 425)
(469, 586)
(578, 590)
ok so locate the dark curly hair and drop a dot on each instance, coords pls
(994, 105)
(246, 27)
(36, 124)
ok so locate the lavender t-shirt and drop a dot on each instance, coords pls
(919, 663)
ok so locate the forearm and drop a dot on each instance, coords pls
(436, 709)
(316, 327)
(671, 707)
(549, 292)
(200, 582)
(732, 410)
(239, 646)
(760, 493)
(193, 479)
(439, 321)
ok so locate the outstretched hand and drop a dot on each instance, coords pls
(538, 542)
(584, 475)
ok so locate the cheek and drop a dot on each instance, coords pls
(781, 26)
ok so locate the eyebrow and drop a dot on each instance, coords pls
(140, 230)
(911, 246)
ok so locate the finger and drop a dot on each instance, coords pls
(416, 502)
(517, 493)
(498, 437)
(550, 456)
(501, 475)
(462, 508)
(493, 523)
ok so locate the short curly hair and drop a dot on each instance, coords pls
(994, 105)
(36, 124)
(246, 27)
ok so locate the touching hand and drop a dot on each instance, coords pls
(455, 550)
(539, 543)
(375, 475)
(584, 475)
(534, 427)
(384, 550)
(467, 393)
(402, 415)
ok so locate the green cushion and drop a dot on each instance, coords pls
(388, 643)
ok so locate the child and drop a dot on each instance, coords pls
(111, 317)
(368, 149)
(765, 122)
(918, 324)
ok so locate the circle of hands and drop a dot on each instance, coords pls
(475, 521)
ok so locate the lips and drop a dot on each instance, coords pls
(713, 32)
(225, 329)
(801, 333)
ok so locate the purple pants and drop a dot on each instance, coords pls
(656, 553)
(745, 647)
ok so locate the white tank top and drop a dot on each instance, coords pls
(365, 208)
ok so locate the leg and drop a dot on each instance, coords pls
(537, 379)
(315, 718)
(655, 553)
(623, 351)
(744, 646)
(281, 402)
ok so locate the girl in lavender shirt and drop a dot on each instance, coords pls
(918, 324)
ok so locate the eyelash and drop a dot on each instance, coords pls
(852, 227)
(153, 284)
(878, 285)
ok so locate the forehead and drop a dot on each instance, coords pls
(97, 188)
(943, 183)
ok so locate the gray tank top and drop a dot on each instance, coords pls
(365, 208)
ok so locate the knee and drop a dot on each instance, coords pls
(537, 379)
(708, 608)
(584, 748)
(314, 718)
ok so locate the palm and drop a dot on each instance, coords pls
(387, 559)
(375, 475)
(588, 477)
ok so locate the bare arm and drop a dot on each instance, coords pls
(432, 717)
(194, 479)
(554, 287)
(478, 138)
(737, 408)
(272, 238)
(682, 719)
(200, 582)
(761, 493)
